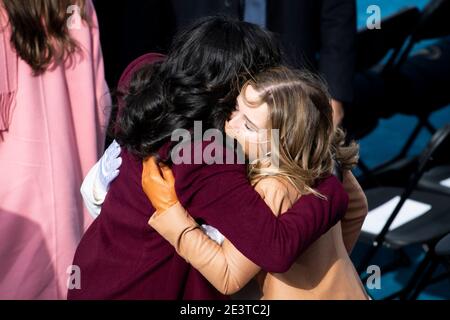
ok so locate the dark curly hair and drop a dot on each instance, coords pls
(199, 81)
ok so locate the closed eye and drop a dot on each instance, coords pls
(250, 125)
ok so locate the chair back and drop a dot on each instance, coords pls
(433, 23)
(373, 45)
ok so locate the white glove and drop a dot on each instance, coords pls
(96, 183)
(213, 233)
(108, 170)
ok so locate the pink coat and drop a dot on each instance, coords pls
(56, 134)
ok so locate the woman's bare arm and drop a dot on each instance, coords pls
(356, 212)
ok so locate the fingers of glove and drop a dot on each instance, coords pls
(167, 174)
(108, 152)
(161, 194)
(112, 152)
(110, 178)
(113, 147)
(151, 172)
(116, 150)
(107, 167)
(115, 164)
(169, 184)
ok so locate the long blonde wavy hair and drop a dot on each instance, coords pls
(309, 144)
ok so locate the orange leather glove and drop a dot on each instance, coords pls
(158, 183)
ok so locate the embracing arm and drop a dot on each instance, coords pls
(223, 266)
(222, 196)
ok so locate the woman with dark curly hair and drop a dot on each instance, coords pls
(297, 105)
(120, 256)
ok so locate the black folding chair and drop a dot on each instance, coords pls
(432, 23)
(443, 247)
(439, 256)
(437, 180)
(373, 45)
(425, 229)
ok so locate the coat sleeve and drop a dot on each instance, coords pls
(221, 195)
(227, 269)
(356, 213)
(223, 266)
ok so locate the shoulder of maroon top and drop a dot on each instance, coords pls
(202, 154)
(334, 192)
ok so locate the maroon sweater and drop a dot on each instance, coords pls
(122, 257)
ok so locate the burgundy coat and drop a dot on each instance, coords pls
(122, 257)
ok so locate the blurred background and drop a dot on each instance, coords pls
(383, 144)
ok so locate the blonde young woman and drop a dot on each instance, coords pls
(296, 104)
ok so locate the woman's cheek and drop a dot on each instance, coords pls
(252, 146)
(249, 141)
(235, 133)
